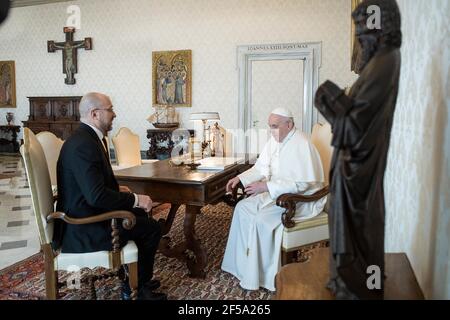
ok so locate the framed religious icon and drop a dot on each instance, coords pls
(7, 84)
(172, 78)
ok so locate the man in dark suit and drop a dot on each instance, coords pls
(87, 187)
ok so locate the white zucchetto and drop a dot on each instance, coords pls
(282, 112)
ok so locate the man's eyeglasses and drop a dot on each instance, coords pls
(109, 109)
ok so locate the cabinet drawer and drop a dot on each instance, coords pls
(217, 188)
(41, 110)
(63, 110)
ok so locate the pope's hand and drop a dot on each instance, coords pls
(232, 184)
(255, 188)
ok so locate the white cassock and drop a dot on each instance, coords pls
(253, 252)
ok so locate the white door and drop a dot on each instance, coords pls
(274, 84)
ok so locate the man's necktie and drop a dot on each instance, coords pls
(106, 147)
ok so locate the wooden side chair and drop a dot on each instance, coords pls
(43, 203)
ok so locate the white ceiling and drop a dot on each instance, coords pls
(25, 3)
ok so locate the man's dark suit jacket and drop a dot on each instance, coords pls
(86, 187)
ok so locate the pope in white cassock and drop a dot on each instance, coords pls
(289, 163)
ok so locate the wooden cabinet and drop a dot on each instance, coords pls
(162, 142)
(59, 115)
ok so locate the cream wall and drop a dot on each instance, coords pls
(417, 180)
(125, 33)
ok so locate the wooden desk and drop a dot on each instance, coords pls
(168, 183)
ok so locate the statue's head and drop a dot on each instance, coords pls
(4, 9)
(373, 36)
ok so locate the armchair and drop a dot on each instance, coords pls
(297, 234)
(51, 146)
(43, 204)
(128, 148)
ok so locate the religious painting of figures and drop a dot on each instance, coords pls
(7, 84)
(172, 78)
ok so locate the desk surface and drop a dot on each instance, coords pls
(167, 172)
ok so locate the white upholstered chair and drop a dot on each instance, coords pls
(298, 234)
(128, 149)
(43, 204)
(51, 145)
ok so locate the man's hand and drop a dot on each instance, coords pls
(232, 183)
(255, 188)
(144, 202)
(124, 189)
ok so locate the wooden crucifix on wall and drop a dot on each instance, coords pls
(69, 49)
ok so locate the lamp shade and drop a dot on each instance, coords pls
(204, 116)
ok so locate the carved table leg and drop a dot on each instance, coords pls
(197, 263)
(196, 259)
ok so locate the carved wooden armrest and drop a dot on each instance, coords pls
(129, 219)
(290, 200)
(233, 198)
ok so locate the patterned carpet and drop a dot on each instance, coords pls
(25, 280)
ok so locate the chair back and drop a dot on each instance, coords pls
(321, 138)
(51, 145)
(127, 148)
(39, 182)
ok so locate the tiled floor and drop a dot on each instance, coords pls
(18, 232)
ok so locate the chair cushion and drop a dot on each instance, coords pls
(306, 232)
(90, 260)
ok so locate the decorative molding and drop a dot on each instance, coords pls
(309, 52)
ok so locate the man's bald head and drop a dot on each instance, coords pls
(92, 101)
(96, 109)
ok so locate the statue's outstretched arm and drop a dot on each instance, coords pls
(353, 117)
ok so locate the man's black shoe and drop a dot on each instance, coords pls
(152, 284)
(145, 294)
(149, 286)
(125, 294)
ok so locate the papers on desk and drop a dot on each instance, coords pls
(116, 167)
(217, 163)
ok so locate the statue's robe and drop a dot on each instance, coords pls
(361, 125)
(253, 252)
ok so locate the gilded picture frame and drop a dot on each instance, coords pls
(172, 78)
(7, 84)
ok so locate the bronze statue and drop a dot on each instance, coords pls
(4, 9)
(361, 123)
